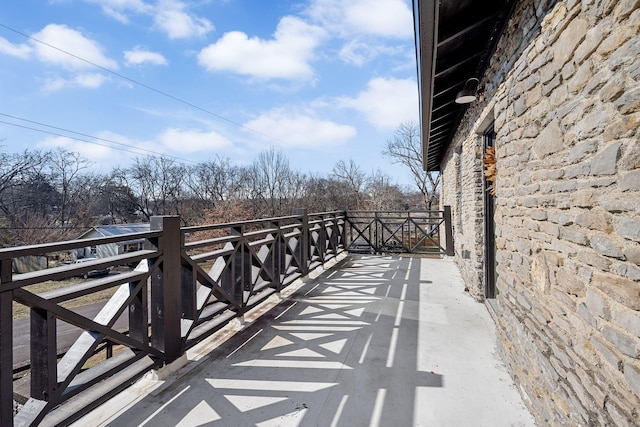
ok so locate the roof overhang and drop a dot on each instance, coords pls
(454, 42)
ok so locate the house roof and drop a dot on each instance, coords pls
(116, 229)
(454, 41)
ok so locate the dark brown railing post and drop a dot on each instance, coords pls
(448, 231)
(406, 243)
(334, 238)
(303, 244)
(166, 298)
(377, 227)
(6, 347)
(277, 258)
(321, 244)
(343, 235)
(346, 230)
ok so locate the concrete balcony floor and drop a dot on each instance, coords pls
(372, 341)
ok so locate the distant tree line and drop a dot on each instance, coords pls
(53, 195)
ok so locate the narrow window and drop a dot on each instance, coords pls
(490, 276)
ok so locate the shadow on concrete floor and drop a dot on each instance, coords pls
(370, 342)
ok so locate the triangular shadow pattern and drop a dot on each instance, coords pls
(300, 362)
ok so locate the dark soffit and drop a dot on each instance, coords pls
(454, 41)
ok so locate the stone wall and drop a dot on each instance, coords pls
(461, 188)
(564, 89)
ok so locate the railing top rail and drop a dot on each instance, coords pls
(328, 213)
(395, 211)
(20, 251)
(25, 279)
(196, 228)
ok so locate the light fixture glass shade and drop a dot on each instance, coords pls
(468, 93)
(465, 97)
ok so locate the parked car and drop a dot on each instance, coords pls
(92, 273)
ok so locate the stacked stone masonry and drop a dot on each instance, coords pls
(563, 90)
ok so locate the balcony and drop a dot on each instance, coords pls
(273, 323)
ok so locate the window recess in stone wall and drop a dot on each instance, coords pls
(489, 162)
(459, 189)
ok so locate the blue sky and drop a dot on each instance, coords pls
(321, 80)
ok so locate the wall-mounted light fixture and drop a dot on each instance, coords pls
(468, 93)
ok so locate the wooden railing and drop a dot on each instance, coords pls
(54, 381)
(423, 232)
(189, 282)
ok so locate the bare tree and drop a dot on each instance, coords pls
(317, 195)
(383, 194)
(48, 196)
(17, 169)
(406, 149)
(114, 201)
(28, 201)
(214, 181)
(171, 178)
(352, 180)
(66, 173)
(272, 179)
(140, 178)
(159, 185)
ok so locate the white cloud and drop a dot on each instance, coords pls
(356, 52)
(73, 42)
(366, 27)
(83, 80)
(386, 102)
(139, 56)
(54, 84)
(360, 51)
(22, 51)
(90, 80)
(92, 152)
(191, 141)
(286, 56)
(125, 149)
(120, 9)
(171, 142)
(172, 18)
(290, 128)
(386, 18)
(60, 46)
